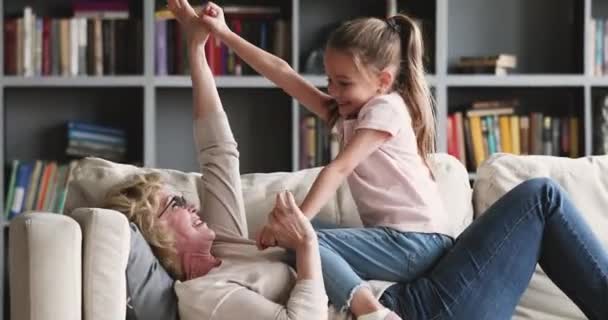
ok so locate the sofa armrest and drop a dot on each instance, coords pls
(105, 242)
(45, 267)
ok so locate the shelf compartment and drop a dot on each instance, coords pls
(318, 18)
(260, 120)
(35, 119)
(555, 102)
(544, 41)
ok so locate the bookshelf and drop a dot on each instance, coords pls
(554, 74)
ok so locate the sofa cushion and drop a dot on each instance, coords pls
(105, 244)
(585, 180)
(92, 178)
(150, 291)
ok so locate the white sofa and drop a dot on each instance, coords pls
(58, 270)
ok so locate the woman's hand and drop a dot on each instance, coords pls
(190, 21)
(213, 18)
(291, 229)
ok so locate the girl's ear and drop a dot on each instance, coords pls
(385, 79)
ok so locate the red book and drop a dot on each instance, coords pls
(210, 53)
(452, 144)
(46, 46)
(237, 27)
(10, 46)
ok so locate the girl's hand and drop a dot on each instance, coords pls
(290, 227)
(189, 20)
(213, 18)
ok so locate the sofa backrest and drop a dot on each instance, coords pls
(585, 180)
(259, 192)
(93, 177)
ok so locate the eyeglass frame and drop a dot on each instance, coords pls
(179, 201)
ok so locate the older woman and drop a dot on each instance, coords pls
(222, 274)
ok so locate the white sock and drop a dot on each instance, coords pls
(376, 315)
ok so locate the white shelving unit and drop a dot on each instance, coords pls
(164, 100)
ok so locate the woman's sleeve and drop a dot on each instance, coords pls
(307, 300)
(221, 194)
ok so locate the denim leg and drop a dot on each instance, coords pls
(349, 256)
(491, 263)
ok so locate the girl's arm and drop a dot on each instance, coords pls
(363, 143)
(270, 66)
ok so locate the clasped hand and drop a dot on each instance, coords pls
(287, 226)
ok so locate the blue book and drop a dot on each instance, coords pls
(491, 137)
(98, 137)
(23, 181)
(95, 128)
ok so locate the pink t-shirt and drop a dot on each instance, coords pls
(393, 187)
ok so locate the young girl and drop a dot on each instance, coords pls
(380, 102)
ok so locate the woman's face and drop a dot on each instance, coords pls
(191, 233)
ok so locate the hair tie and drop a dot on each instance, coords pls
(393, 25)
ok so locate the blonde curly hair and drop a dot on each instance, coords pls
(138, 198)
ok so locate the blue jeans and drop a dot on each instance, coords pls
(350, 256)
(484, 275)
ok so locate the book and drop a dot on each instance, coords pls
(506, 142)
(47, 172)
(459, 129)
(475, 124)
(21, 186)
(499, 60)
(490, 111)
(524, 134)
(495, 104)
(11, 188)
(33, 186)
(515, 134)
(574, 137)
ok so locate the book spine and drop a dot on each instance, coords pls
(23, 178)
(161, 47)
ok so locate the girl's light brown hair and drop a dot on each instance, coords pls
(138, 198)
(377, 44)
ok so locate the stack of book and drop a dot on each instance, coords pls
(260, 25)
(490, 127)
(318, 144)
(500, 64)
(99, 39)
(37, 186)
(86, 139)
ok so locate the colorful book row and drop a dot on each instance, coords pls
(474, 136)
(261, 26)
(44, 46)
(37, 186)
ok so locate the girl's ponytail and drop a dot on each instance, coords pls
(411, 83)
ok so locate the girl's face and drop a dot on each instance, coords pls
(347, 84)
(191, 233)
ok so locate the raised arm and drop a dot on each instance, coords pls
(270, 66)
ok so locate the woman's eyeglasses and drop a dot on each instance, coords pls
(175, 202)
